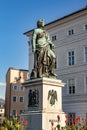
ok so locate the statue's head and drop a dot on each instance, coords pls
(40, 23)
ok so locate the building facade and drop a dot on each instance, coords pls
(69, 35)
(2, 110)
(15, 92)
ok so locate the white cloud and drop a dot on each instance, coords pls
(2, 84)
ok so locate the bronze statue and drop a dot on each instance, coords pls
(44, 56)
(33, 98)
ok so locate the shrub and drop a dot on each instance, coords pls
(13, 124)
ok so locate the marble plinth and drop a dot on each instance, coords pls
(49, 104)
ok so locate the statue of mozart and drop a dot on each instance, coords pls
(44, 55)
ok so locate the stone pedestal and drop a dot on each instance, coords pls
(48, 104)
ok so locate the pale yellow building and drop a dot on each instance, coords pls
(2, 110)
(14, 99)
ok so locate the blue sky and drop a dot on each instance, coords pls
(19, 16)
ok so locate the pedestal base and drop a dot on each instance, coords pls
(49, 105)
(43, 121)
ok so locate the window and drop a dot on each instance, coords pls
(85, 54)
(86, 84)
(86, 27)
(21, 99)
(71, 32)
(71, 118)
(20, 111)
(15, 87)
(14, 113)
(14, 99)
(86, 114)
(71, 86)
(22, 88)
(53, 38)
(71, 58)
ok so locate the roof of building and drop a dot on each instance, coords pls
(11, 68)
(83, 9)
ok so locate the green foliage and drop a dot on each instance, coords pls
(12, 124)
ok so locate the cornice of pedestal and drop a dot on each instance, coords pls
(44, 81)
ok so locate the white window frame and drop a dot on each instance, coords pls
(54, 38)
(86, 114)
(68, 86)
(71, 57)
(21, 111)
(15, 112)
(85, 84)
(21, 97)
(85, 54)
(14, 87)
(71, 32)
(85, 27)
(21, 87)
(73, 115)
(16, 99)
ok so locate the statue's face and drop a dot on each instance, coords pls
(40, 23)
(43, 24)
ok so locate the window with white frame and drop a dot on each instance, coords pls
(85, 27)
(22, 88)
(71, 58)
(14, 112)
(86, 114)
(71, 118)
(71, 86)
(21, 111)
(54, 38)
(71, 32)
(14, 98)
(86, 84)
(15, 87)
(21, 99)
(85, 54)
